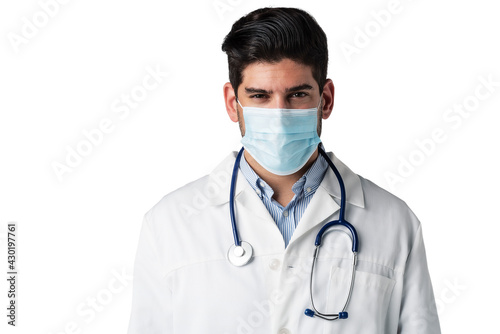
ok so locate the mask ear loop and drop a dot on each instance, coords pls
(319, 104)
(238, 100)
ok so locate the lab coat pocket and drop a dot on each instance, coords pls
(368, 306)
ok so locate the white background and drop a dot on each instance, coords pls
(78, 233)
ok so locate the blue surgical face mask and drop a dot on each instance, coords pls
(280, 140)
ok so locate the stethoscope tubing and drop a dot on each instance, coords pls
(341, 182)
(236, 236)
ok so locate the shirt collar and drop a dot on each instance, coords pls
(260, 186)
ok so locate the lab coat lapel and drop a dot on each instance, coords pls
(255, 223)
(248, 205)
(321, 207)
(248, 199)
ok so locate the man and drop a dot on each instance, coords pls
(285, 192)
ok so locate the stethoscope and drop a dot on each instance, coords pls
(240, 253)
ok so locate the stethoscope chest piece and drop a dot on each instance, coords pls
(240, 255)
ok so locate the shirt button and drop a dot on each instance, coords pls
(258, 191)
(284, 331)
(262, 184)
(308, 189)
(285, 213)
(274, 264)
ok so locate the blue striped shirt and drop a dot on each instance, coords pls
(287, 217)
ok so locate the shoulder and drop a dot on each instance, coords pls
(392, 212)
(375, 193)
(366, 196)
(196, 196)
(180, 202)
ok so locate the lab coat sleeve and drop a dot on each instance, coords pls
(151, 296)
(418, 312)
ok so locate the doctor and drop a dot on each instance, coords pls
(284, 192)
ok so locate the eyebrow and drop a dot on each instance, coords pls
(299, 87)
(252, 90)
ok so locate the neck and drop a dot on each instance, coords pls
(281, 184)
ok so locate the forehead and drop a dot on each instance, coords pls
(277, 76)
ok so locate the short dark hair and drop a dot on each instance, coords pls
(272, 34)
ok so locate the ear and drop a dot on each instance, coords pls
(328, 97)
(230, 100)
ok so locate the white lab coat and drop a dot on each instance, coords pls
(183, 282)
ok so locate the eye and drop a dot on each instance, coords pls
(299, 94)
(258, 96)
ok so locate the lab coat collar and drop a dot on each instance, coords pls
(352, 183)
(220, 179)
(326, 200)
